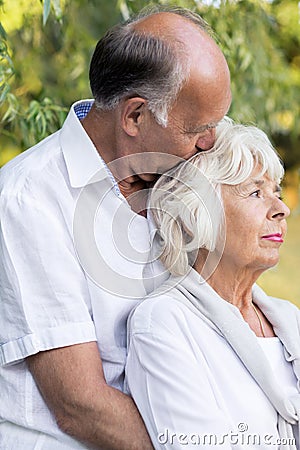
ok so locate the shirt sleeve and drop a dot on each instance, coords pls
(170, 382)
(43, 290)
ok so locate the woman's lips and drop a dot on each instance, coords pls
(277, 237)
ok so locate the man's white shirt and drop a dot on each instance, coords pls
(72, 263)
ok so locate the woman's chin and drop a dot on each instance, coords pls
(270, 262)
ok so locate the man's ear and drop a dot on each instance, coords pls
(133, 114)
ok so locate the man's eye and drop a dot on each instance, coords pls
(195, 132)
(191, 133)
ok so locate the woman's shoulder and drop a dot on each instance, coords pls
(284, 314)
(284, 304)
(272, 303)
(160, 310)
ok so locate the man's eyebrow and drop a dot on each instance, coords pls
(202, 128)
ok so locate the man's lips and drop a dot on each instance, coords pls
(276, 237)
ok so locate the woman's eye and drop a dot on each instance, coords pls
(255, 194)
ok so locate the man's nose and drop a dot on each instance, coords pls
(207, 140)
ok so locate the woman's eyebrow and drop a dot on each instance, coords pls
(253, 182)
(258, 182)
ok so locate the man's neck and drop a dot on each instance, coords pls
(111, 144)
(99, 126)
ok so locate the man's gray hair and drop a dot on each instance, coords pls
(128, 63)
(186, 202)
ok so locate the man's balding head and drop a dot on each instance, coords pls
(151, 57)
(167, 59)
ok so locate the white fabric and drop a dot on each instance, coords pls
(189, 382)
(47, 299)
(274, 351)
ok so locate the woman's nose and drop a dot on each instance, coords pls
(207, 140)
(279, 210)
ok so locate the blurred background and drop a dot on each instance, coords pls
(46, 46)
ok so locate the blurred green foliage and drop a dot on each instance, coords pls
(45, 55)
(46, 46)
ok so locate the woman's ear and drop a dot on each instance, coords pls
(133, 113)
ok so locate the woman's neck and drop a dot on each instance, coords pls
(233, 284)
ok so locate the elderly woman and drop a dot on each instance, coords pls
(212, 360)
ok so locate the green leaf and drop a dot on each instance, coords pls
(12, 110)
(46, 11)
(2, 32)
(122, 6)
(57, 9)
(4, 93)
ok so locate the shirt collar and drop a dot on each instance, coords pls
(84, 164)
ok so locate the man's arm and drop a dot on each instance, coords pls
(72, 383)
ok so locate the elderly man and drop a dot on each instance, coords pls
(73, 251)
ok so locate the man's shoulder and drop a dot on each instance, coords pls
(31, 166)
